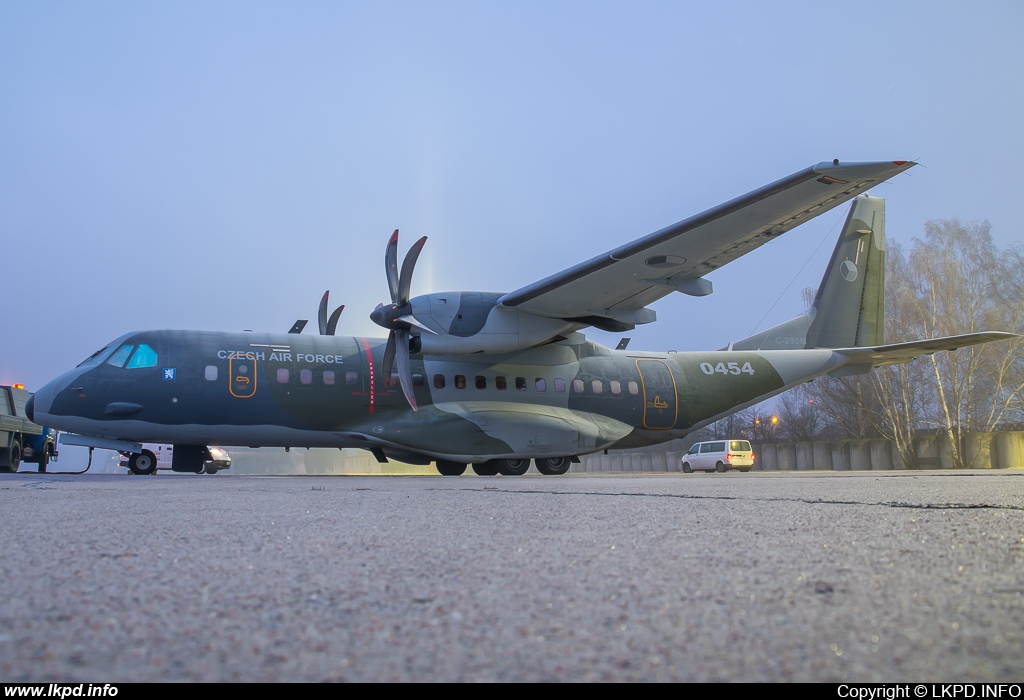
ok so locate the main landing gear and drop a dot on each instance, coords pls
(142, 463)
(550, 466)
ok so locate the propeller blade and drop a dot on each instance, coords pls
(322, 316)
(405, 367)
(408, 265)
(387, 363)
(391, 265)
(332, 323)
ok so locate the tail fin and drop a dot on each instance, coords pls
(849, 307)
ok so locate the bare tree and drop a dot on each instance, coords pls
(953, 281)
(961, 284)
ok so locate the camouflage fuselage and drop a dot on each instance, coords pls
(566, 398)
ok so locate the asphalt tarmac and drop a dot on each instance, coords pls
(767, 577)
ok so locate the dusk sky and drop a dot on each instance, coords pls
(219, 165)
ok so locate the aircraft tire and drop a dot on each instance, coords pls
(513, 467)
(553, 466)
(488, 468)
(720, 468)
(686, 468)
(142, 463)
(448, 468)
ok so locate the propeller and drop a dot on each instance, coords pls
(328, 326)
(397, 316)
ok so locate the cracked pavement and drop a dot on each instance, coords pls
(779, 576)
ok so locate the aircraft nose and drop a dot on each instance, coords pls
(37, 408)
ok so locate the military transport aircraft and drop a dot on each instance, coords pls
(498, 380)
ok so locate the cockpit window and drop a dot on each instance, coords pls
(144, 356)
(122, 353)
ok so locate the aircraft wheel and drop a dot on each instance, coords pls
(449, 468)
(142, 463)
(686, 468)
(720, 468)
(513, 467)
(553, 466)
(488, 468)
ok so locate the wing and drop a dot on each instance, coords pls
(612, 290)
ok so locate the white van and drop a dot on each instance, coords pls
(719, 456)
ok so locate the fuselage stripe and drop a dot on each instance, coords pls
(369, 362)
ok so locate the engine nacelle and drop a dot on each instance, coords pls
(472, 322)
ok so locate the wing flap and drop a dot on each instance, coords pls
(677, 257)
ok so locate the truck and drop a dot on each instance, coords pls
(21, 439)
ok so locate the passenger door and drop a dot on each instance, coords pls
(660, 402)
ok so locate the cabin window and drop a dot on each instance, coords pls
(329, 377)
(282, 376)
(597, 386)
(351, 378)
(540, 384)
(520, 383)
(439, 381)
(460, 381)
(417, 380)
(144, 356)
(634, 388)
(210, 373)
(481, 381)
(560, 385)
(577, 386)
(306, 376)
(616, 388)
(500, 383)
(118, 358)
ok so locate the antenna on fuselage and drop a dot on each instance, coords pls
(298, 326)
(623, 343)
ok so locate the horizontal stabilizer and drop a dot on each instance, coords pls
(882, 355)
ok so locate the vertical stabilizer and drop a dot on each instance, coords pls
(850, 303)
(849, 307)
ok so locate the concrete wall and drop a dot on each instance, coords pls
(785, 456)
(998, 450)
(860, 455)
(1009, 450)
(804, 456)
